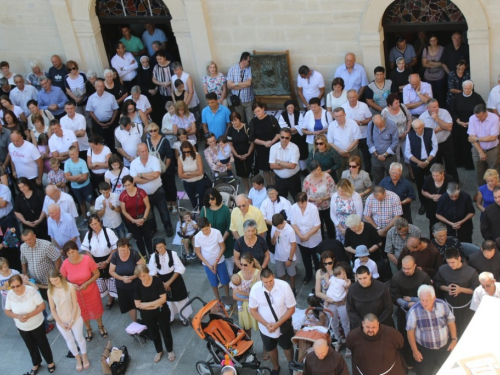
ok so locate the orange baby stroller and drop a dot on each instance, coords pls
(225, 340)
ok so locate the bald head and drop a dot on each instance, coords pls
(54, 211)
(320, 348)
(414, 80)
(408, 261)
(350, 60)
(413, 243)
(142, 151)
(53, 192)
(408, 265)
(242, 203)
(378, 121)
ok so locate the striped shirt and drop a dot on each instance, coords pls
(431, 327)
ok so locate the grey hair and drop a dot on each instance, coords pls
(18, 76)
(416, 122)
(352, 220)
(396, 165)
(483, 276)
(176, 65)
(42, 78)
(35, 64)
(106, 71)
(439, 227)
(401, 223)
(3, 81)
(452, 188)
(426, 289)
(437, 168)
(91, 73)
(250, 223)
(431, 101)
(156, 43)
(467, 82)
(135, 90)
(402, 58)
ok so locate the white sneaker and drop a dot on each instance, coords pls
(348, 353)
(174, 209)
(50, 318)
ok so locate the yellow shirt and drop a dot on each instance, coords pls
(237, 220)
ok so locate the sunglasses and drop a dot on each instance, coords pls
(241, 205)
(353, 166)
(186, 152)
(285, 137)
(153, 131)
(211, 198)
(320, 143)
(73, 68)
(244, 264)
(327, 263)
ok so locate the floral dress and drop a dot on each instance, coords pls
(215, 84)
(184, 122)
(320, 189)
(343, 208)
(246, 320)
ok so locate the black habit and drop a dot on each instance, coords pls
(481, 264)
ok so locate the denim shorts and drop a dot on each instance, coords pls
(221, 276)
(84, 194)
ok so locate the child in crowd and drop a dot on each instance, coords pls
(362, 255)
(43, 148)
(107, 206)
(224, 153)
(315, 317)
(188, 229)
(77, 173)
(182, 136)
(239, 289)
(179, 91)
(284, 239)
(167, 126)
(337, 292)
(257, 193)
(56, 176)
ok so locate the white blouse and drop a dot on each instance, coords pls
(269, 208)
(25, 304)
(305, 222)
(99, 158)
(98, 244)
(177, 267)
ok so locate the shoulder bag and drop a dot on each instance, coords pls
(285, 327)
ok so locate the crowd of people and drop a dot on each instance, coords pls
(322, 184)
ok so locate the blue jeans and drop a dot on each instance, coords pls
(121, 230)
(195, 191)
(158, 200)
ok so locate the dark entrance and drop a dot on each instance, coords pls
(135, 13)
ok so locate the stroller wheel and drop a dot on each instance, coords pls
(204, 368)
(263, 371)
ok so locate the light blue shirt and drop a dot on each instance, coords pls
(147, 39)
(75, 169)
(102, 106)
(7, 197)
(385, 140)
(353, 80)
(257, 196)
(63, 231)
(216, 122)
(54, 96)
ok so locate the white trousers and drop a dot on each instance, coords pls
(340, 316)
(77, 331)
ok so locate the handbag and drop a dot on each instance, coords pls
(235, 99)
(156, 154)
(207, 180)
(119, 367)
(285, 327)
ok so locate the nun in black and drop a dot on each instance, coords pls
(168, 267)
(292, 118)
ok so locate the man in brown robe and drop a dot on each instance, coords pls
(426, 255)
(375, 349)
(324, 360)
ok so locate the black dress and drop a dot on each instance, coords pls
(299, 140)
(430, 187)
(117, 91)
(368, 237)
(258, 250)
(264, 130)
(241, 144)
(126, 291)
(399, 79)
(462, 108)
(455, 211)
(31, 209)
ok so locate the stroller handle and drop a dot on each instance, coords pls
(188, 304)
(320, 309)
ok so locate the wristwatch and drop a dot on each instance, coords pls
(454, 339)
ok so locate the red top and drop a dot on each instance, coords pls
(134, 205)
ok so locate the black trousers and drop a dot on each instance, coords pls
(309, 258)
(158, 200)
(158, 323)
(432, 358)
(446, 154)
(419, 174)
(36, 342)
(326, 220)
(367, 157)
(107, 133)
(12, 254)
(290, 185)
(143, 236)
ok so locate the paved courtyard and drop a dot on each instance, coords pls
(189, 348)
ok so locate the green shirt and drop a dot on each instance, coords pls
(326, 160)
(221, 220)
(133, 45)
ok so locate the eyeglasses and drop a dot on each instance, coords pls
(73, 68)
(15, 286)
(328, 263)
(211, 198)
(285, 137)
(241, 205)
(320, 143)
(186, 152)
(353, 166)
(153, 131)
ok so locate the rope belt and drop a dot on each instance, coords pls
(383, 373)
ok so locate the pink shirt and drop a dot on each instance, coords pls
(490, 126)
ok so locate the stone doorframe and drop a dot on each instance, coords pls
(371, 38)
(82, 41)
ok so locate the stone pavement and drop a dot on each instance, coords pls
(189, 348)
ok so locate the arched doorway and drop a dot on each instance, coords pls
(135, 13)
(372, 38)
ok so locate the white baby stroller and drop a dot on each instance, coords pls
(228, 191)
(183, 255)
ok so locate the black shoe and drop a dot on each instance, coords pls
(294, 292)
(306, 280)
(421, 210)
(170, 232)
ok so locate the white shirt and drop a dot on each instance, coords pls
(494, 99)
(333, 102)
(283, 124)
(129, 140)
(372, 266)
(305, 222)
(177, 267)
(337, 291)
(423, 151)
(99, 158)
(290, 154)
(98, 244)
(343, 137)
(116, 181)
(77, 123)
(125, 66)
(284, 243)
(358, 206)
(111, 218)
(24, 159)
(209, 246)
(24, 305)
(143, 103)
(281, 297)
(6, 196)
(63, 143)
(21, 98)
(359, 113)
(65, 202)
(479, 293)
(309, 123)
(152, 165)
(311, 86)
(269, 208)
(411, 96)
(429, 122)
(257, 196)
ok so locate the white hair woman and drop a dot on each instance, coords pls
(34, 77)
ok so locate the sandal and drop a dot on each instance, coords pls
(110, 304)
(158, 357)
(79, 365)
(265, 356)
(33, 371)
(89, 335)
(86, 363)
(103, 332)
(171, 356)
(52, 369)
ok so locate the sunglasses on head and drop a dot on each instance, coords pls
(328, 263)
(285, 137)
